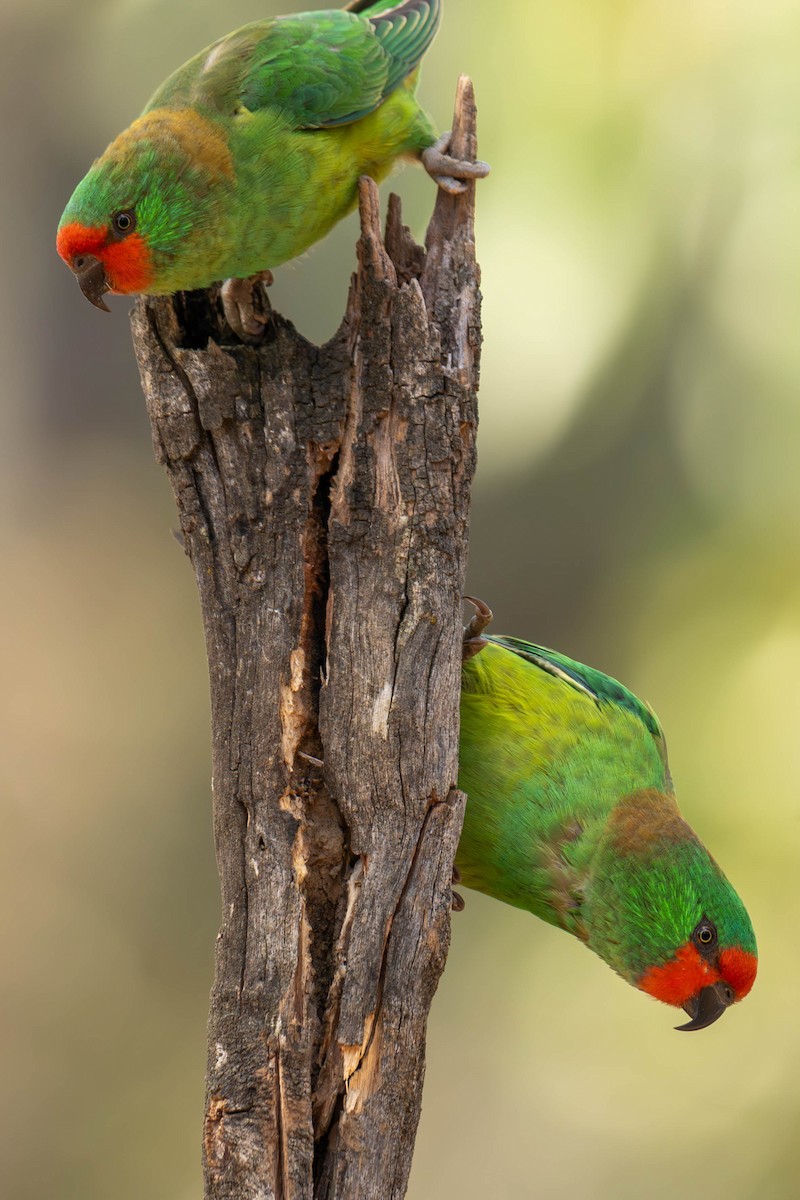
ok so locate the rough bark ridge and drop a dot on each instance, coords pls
(323, 495)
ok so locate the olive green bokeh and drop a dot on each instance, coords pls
(637, 506)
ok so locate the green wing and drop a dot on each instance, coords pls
(320, 69)
(331, 68)
(599, 687)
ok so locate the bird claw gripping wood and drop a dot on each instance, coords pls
(457, 903)
(246, 305)
(472, 642)
(451, 174)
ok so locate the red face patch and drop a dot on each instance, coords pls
(75, 239)
(738, 968)
(679, 979)
(127, 260)
(688, 972)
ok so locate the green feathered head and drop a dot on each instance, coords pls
(660, 911)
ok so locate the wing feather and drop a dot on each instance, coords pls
(603, 689)
(332, 69)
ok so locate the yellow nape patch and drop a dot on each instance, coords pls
(197, 138)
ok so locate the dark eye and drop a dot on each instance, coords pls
(705, 935)
(124, 222)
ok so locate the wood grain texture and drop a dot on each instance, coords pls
(323, 495)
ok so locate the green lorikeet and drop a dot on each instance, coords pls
(252, 151)
(571, 815)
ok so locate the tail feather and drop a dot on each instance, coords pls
(405, 31)
(374, 7)
(389, 9)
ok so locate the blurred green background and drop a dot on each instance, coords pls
(637, 505)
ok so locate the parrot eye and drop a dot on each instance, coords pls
(705, 935)
(124, 222)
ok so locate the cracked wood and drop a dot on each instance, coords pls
(323, 495)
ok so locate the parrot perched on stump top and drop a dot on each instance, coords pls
(252, 151)
(571, 814)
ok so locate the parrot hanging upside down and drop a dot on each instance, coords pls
(571, 815)
(252, 151)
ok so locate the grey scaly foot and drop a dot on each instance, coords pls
(246, 305)
(472, 642)
(451, 174)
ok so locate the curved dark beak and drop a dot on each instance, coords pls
(92, 279)
(707, 1006)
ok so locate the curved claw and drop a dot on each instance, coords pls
(472, 642)
(246, 305)
(451, 174)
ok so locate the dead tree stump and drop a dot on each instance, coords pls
(323, 495)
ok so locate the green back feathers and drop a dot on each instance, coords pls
(319, 69)
(571, 701)
(602, 688)
(548, 747)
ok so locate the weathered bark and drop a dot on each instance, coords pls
(323, 495)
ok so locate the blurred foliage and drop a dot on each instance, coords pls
(638, 506)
